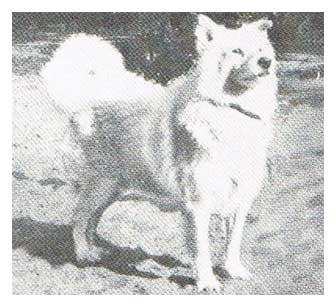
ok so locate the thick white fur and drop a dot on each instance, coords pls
(86, 72)
(230, 173)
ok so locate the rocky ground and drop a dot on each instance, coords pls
(283, 240)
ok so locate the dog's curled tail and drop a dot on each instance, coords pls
(86, 71)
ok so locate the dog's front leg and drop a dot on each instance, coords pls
(233, 263)
(206, 279)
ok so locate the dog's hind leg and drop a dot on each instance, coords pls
(97, 195)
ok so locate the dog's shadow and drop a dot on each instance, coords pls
(54, 243)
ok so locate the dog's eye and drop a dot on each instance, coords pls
(238, 51)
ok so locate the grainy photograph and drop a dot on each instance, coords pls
(167, 153)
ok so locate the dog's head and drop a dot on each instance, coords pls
(233, 61)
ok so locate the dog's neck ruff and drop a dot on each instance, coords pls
(234, 106)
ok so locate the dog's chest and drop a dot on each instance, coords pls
(233, 150)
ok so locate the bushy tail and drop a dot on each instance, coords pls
(86, 71)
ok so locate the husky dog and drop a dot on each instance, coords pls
(200, 142)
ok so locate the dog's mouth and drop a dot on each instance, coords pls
(254, 77)
(263, 74)
(237, 83)
(248, 79)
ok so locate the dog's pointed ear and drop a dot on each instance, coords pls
(263, 24)
(205, 29)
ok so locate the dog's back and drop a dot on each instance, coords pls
(140, 142)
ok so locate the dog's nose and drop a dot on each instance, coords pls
(264, 62)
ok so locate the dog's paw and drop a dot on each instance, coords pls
(208, 284)
(237, 270)
(89, 256)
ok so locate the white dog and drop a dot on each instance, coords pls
(202, 140)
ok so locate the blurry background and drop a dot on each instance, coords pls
(161, 45)
(283, 240)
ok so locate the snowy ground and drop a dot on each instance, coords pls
(283, 240)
